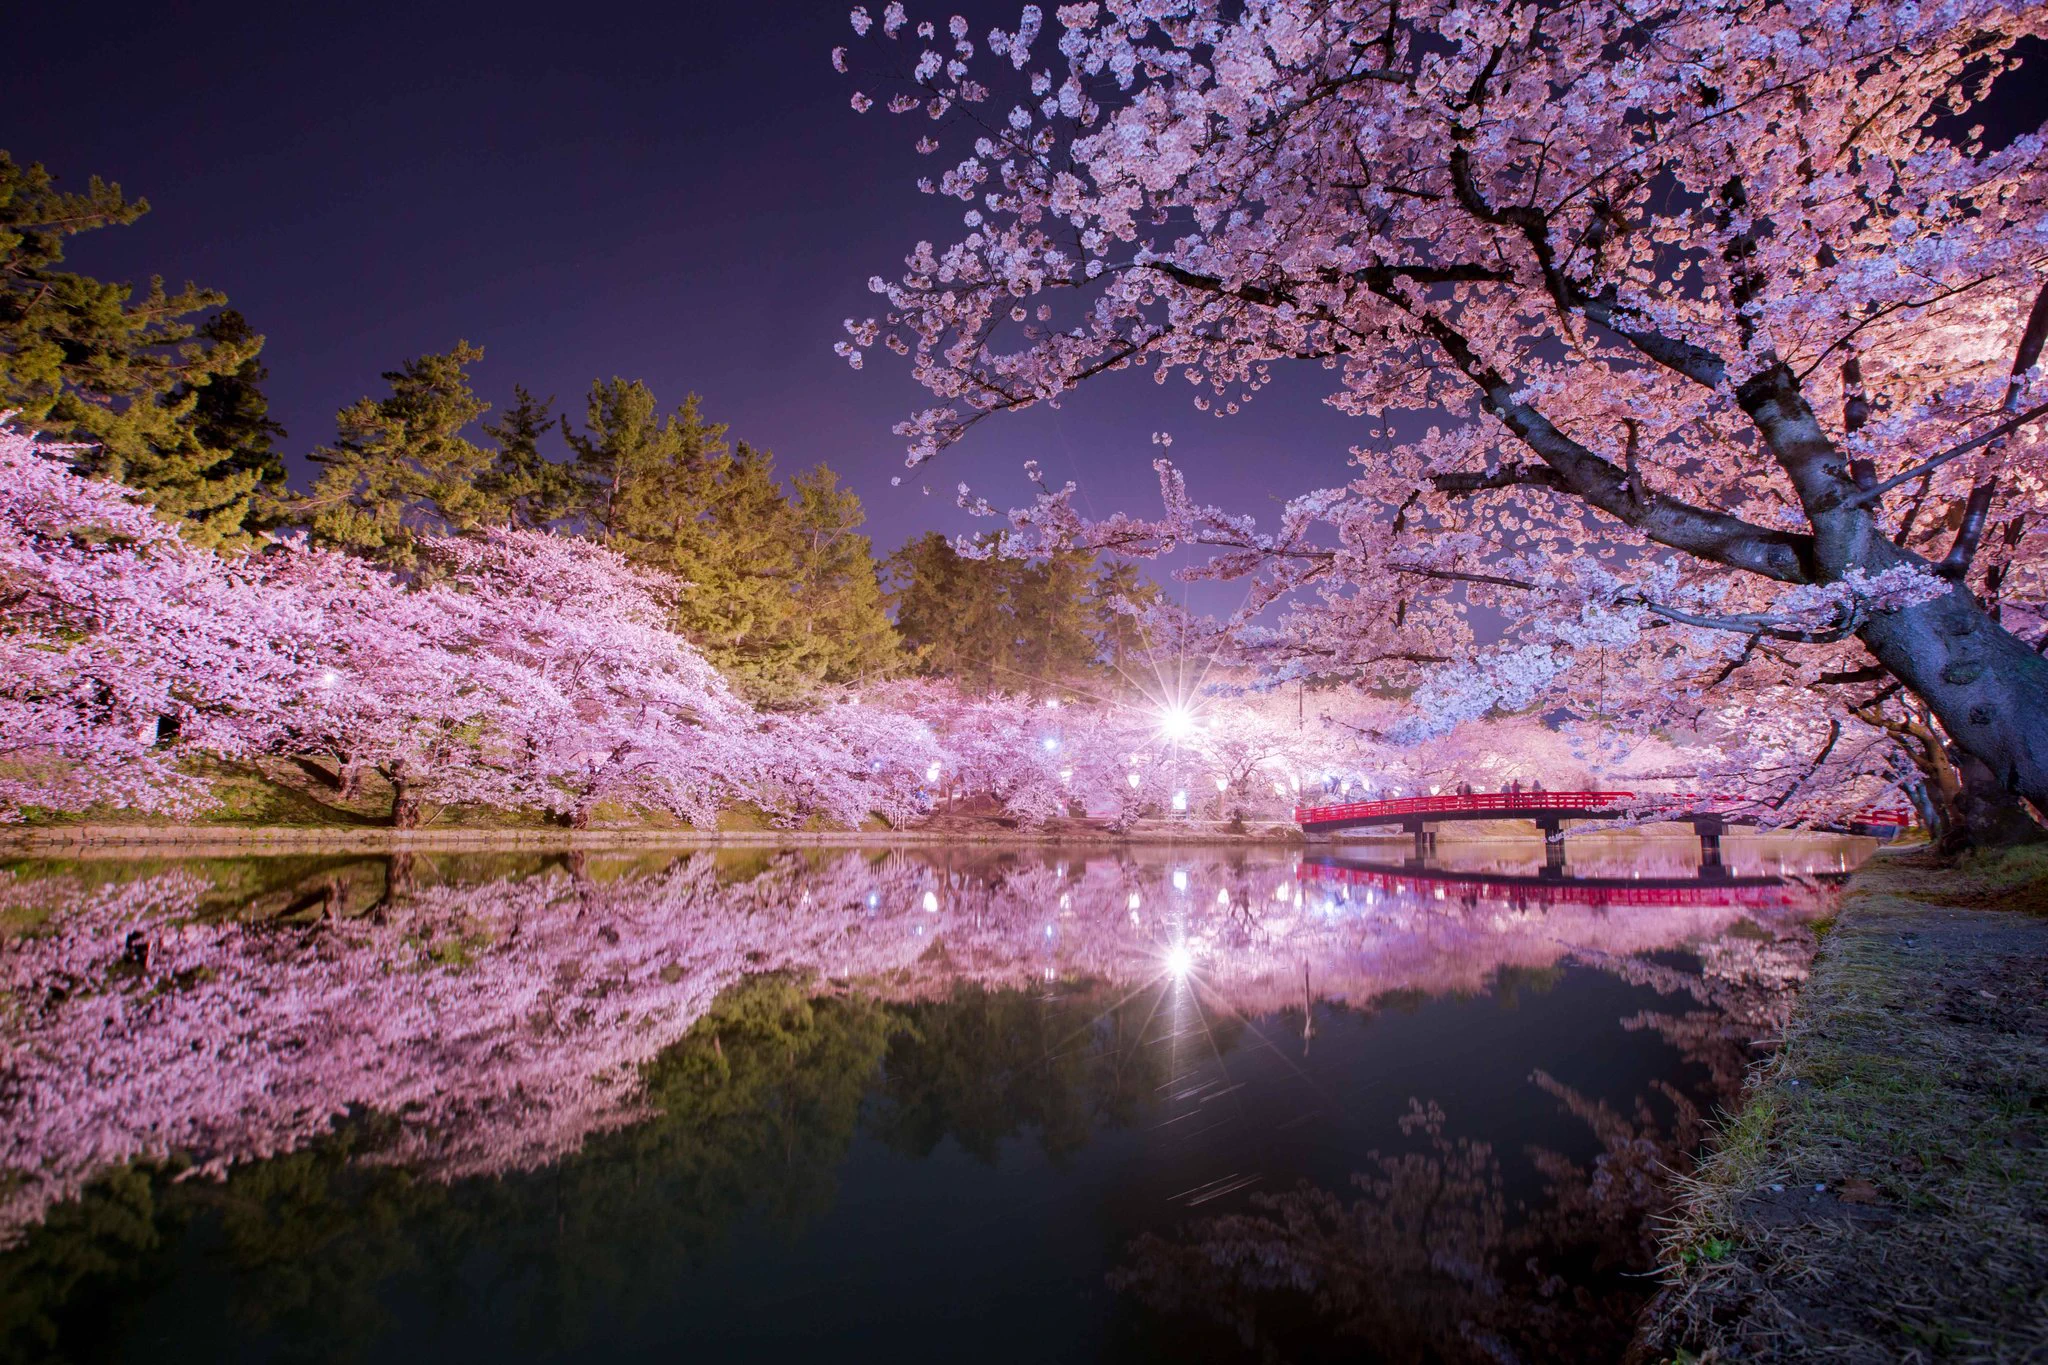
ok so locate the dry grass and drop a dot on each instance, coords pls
(1883, 1193)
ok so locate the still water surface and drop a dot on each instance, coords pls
(1151, 1104)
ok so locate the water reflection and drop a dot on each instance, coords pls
(347, 1107)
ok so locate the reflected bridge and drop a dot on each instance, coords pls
(1713, 885)
(1709, 816)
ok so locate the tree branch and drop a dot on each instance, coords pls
(1716, 536)
(1510, 475)
(1955, 565)
(1757, 624)
(1867, 673)
(1457, 576)
(1866, 497)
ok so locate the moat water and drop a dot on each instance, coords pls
(1216, 1104)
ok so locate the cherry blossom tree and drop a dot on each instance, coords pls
(612, 705)
(1722, 319)
(120, 644)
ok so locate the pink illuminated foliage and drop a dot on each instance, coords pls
(503, 1021)
(533, 671)
(1678, 345)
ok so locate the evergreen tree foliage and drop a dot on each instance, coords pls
(952, 612)
(782, 593)
(84, 360)
(534, 490)
(1010, 624)
(845, 623)
(401, 468)
(231, 413)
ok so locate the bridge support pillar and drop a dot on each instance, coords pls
(1710, 828)
(1425, 838)
(1552, 829)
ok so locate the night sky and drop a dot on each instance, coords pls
(679, 194)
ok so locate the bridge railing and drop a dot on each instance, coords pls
(1510, 803)
(1477, 801)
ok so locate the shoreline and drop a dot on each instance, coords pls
(255, 840)
(74, 839)
(1882, 1193)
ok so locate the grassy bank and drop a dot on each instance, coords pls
(1883, 1193)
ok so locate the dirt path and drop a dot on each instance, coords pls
(1883, 1195)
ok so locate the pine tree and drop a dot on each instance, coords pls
(231, 413)
(780, 595)
(83, 360)
(400, 466)
(630, 462)
(534, 490)
(1119, 640)
(838, 592)
(1014, 625)
(1052, 606)
(954, 613)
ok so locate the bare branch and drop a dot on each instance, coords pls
(1757, 624)
(1867, 673)
(1865, 498)
(1955, 565)
(1456, 576)
(1510, 475)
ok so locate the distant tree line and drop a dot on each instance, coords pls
(163, 391)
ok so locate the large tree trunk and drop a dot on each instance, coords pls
(1989, 689)
(1991, 816)
(405, 804)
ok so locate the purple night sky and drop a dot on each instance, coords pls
(680, 195)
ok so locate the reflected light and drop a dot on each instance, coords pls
(931, 774)
(1180, 800)
(931, 902)
(1179, 960)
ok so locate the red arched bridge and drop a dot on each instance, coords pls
(1708, 815)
